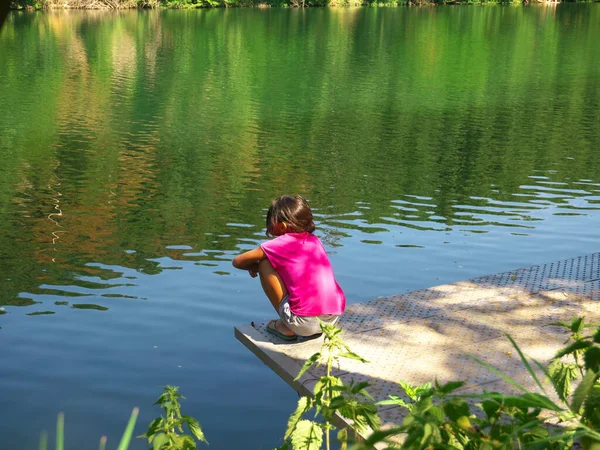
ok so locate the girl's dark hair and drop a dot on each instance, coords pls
(294, 211)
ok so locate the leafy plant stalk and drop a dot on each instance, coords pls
(166, 433)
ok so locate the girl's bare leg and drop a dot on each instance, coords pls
(275, 289)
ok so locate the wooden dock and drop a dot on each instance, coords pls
(422, 335)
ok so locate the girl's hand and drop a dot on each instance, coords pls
(253, 274)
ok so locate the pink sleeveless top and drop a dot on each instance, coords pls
(302, 263)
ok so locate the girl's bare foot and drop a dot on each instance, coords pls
(277, 328)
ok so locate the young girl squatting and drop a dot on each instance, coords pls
(294, 271)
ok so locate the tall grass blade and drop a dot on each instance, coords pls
(44, 441)
(60, 431)
(102, 443)
(590, 432)
(506, 378)
(124, 444)
(525, 363)
(552, 380)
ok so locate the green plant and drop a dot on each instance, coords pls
(443, 419)
(163, 432)
(166, 433)
(440, 418)
(60, 433)
(580, 358)
(580, 353)
(331, 397)
(414, 394)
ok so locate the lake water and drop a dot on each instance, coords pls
(140, 150)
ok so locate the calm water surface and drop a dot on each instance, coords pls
(139, 151)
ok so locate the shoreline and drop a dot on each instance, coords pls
(121, 5)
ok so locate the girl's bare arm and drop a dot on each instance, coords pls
(249, 260)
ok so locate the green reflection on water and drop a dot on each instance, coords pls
(89, 306)
(132, 134)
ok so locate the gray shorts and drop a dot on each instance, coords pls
(303, 325)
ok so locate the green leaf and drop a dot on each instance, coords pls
(427, 432)
(308, 364)
(542, 401)
(532, 424)
(324, 384)
(351, 355)
(527, 400)
(549, 377)
(329, 330)
(576, 325)
(423, 388)
(415, 392)
(342, 437)
(490, 407)
(337, 402)
(186, 442)
(342, 388)
(590, 433)
(160, 440)
(410, 390)
(382, 435)
(437, 413)
(124, 444)
(152, 428)
(456, 409)
(304, 404)
(162, 398)
(592, 358)
(367, 414)
(172, 391)
(393, 400)
(194, 427)
(525, 363)
(596, 336)
(586, 385)
(561, 375)
(575, 346)
(366, 395)
(450, 386)
(533, 435)
(563, 438)
(168, 407)
(307, 436)
(591, 407)
(359, 387)
(363, 414)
